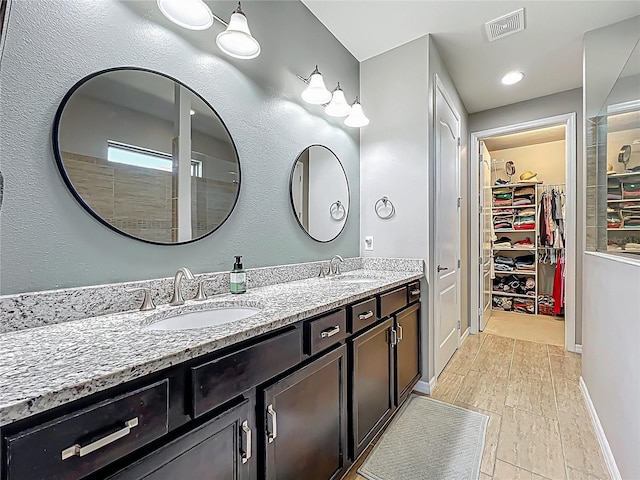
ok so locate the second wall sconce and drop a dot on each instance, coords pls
(334, 102)
(236, 41)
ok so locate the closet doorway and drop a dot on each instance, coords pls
(525, 184)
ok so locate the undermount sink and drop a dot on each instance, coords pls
(203, 318)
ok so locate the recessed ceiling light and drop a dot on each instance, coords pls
(192, 112)
(512, 77)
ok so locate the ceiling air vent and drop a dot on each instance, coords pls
(505, 25)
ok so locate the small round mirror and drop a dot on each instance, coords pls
(146, 156)
(319, 193)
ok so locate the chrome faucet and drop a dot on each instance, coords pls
(177, 298)
(334, 268)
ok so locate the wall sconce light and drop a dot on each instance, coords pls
(357, 117)
(335, 104)
(316, 93)
(236, 41)
(338, 106)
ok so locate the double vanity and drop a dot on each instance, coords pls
(290, 380)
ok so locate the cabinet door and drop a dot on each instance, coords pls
(371, 384)
(305, 420)
(220, 449)
(407, 351)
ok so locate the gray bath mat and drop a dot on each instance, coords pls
(428, 440)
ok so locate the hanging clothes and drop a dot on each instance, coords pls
(558, 287)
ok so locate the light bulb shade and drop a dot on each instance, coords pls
(316, 93)
(338, 107)
(191, 14)
(236, 41)
(357, 117)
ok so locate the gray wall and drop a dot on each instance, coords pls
(48, 241)
(557, 104)
(394, 159)
(610, 353)
(397, 160)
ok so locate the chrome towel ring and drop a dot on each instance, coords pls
(384, 203)
(337, 210)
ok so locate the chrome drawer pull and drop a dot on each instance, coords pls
(80, 451)
(364, 316)
(246, 450)
(271, 415)
(393, 337)
(414, 292)
(399, 333)
(330, 332)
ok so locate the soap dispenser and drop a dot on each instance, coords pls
(238, 277)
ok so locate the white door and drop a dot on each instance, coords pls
(447, 231)
(486, 236)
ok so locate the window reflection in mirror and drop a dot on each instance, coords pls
(147, 156)
(319, 193)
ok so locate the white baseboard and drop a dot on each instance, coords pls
(463, 337)
(578, 348)
(426, 387)
(602, 438)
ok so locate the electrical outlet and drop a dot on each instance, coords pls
(368, 242)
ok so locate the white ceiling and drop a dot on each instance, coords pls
(548, 51)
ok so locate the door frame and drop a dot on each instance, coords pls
(569, 121)
(439, 86)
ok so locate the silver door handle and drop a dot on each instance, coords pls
(399, 333)
(272, 417)
(415, 292)
(442, 269)
(246, 449)
(364, 316)
(80, 451)
(330, 332)
(393, 337)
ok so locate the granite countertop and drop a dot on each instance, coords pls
(44, 367)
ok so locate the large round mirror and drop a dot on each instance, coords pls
(319, 193)
(146, 156)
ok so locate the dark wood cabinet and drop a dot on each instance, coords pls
(305, 421)
(407, 325)
(371, 384)
(220, 449)
(300, 402)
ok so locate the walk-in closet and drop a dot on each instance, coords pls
(525, 233)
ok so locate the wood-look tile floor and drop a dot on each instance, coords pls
(539, 427)
(535, 328)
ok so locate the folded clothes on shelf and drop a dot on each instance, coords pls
(504, 260)
(501, 267)
(524, 243)
(503, 222)
(502, 242)
(525, 262)
(632, 247)
(630, 219)
(502, 303)
(524, 305)
(613, 219)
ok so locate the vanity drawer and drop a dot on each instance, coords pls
(220, 380)
(392, 301)
(363, 314)
(325, 331)
(413, 291)
(77, 444)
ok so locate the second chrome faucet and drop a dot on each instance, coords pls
(177, 298)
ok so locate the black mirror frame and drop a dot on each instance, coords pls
(78, 197)
(293, 208)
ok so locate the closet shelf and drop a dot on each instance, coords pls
(624, 200)
(517, 272)
(623, 175)
(625, 229)
(516, 185)
(515, 295)
(530, 205)
(530, 249)
(513, 230)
